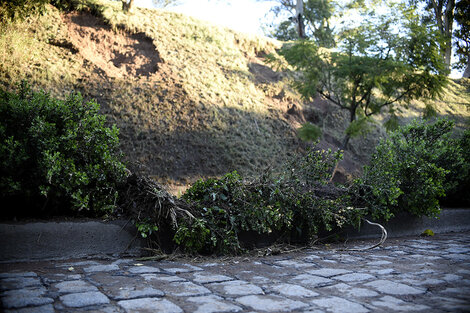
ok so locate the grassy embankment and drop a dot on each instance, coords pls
(191, 99)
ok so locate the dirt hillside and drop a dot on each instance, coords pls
(191, 99)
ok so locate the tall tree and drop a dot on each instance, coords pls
(315, 18)
(462, 35)
(375, 67)
(441, 12)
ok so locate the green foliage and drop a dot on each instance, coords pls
(458, 182)
(462, 33)
(297, 203)
(146, 228)
(309, 132)
(317, 16)
(228, 206)
(12, 10)
(375, 67)
(55, 154)
(358, 127)
(409, 170)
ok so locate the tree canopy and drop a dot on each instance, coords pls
(462, 35)
(375, 66)
(316, 16)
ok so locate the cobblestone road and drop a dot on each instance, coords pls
(410, 274)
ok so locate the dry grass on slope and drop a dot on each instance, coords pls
(191, 99)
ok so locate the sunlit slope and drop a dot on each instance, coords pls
(191, 99)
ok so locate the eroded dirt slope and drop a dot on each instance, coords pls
(191, 99)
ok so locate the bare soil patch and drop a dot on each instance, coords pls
(116, 54)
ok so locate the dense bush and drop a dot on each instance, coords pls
(296, 204)
(56, 155)
(20, 9)
(411, 170)
(459, 177)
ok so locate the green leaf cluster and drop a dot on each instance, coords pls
(56, 155)
(19, 9)
(296, 204)
(375, 67)
(411, 170)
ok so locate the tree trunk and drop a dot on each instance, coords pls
(299, 12)
(466, 73)
(448, 55)
(445, 19)
(344, 143)
(448, 26)
(127, 6)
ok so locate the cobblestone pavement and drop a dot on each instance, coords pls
(429, 274)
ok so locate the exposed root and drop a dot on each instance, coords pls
(145, 201)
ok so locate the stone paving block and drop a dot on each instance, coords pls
(457, 291)
(182, 268)
(271, 303)
(48, 308)
(236, 288)
(20, 298)
(451, 277)
(50, 278)
(120, 287)
(394, 288)
(378, 263)
(457, 257)
(459, 249)
(328, 272)
(101, 268)
(74, 286)
(453, 305)
(18, 274)
(132, 292)
(329, 261)
(291, 290)
(162, 278)
(210, 304)
(143, 269)
(395, 304)
(311, 280)
(354, 291)
(102, 309)
(311, 258)
(293, 263)
(183, 289)
(80, 264)
(206, 278)
(260, 279)
(339, 305)
(384, 271)
(83, 299)
(149, 305)
(19, 282)
(354, 277)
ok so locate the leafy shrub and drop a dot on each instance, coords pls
(458, 182)
(296, 203)
(20, 9)
(309, 132)
(56, 155)
(409, 170)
